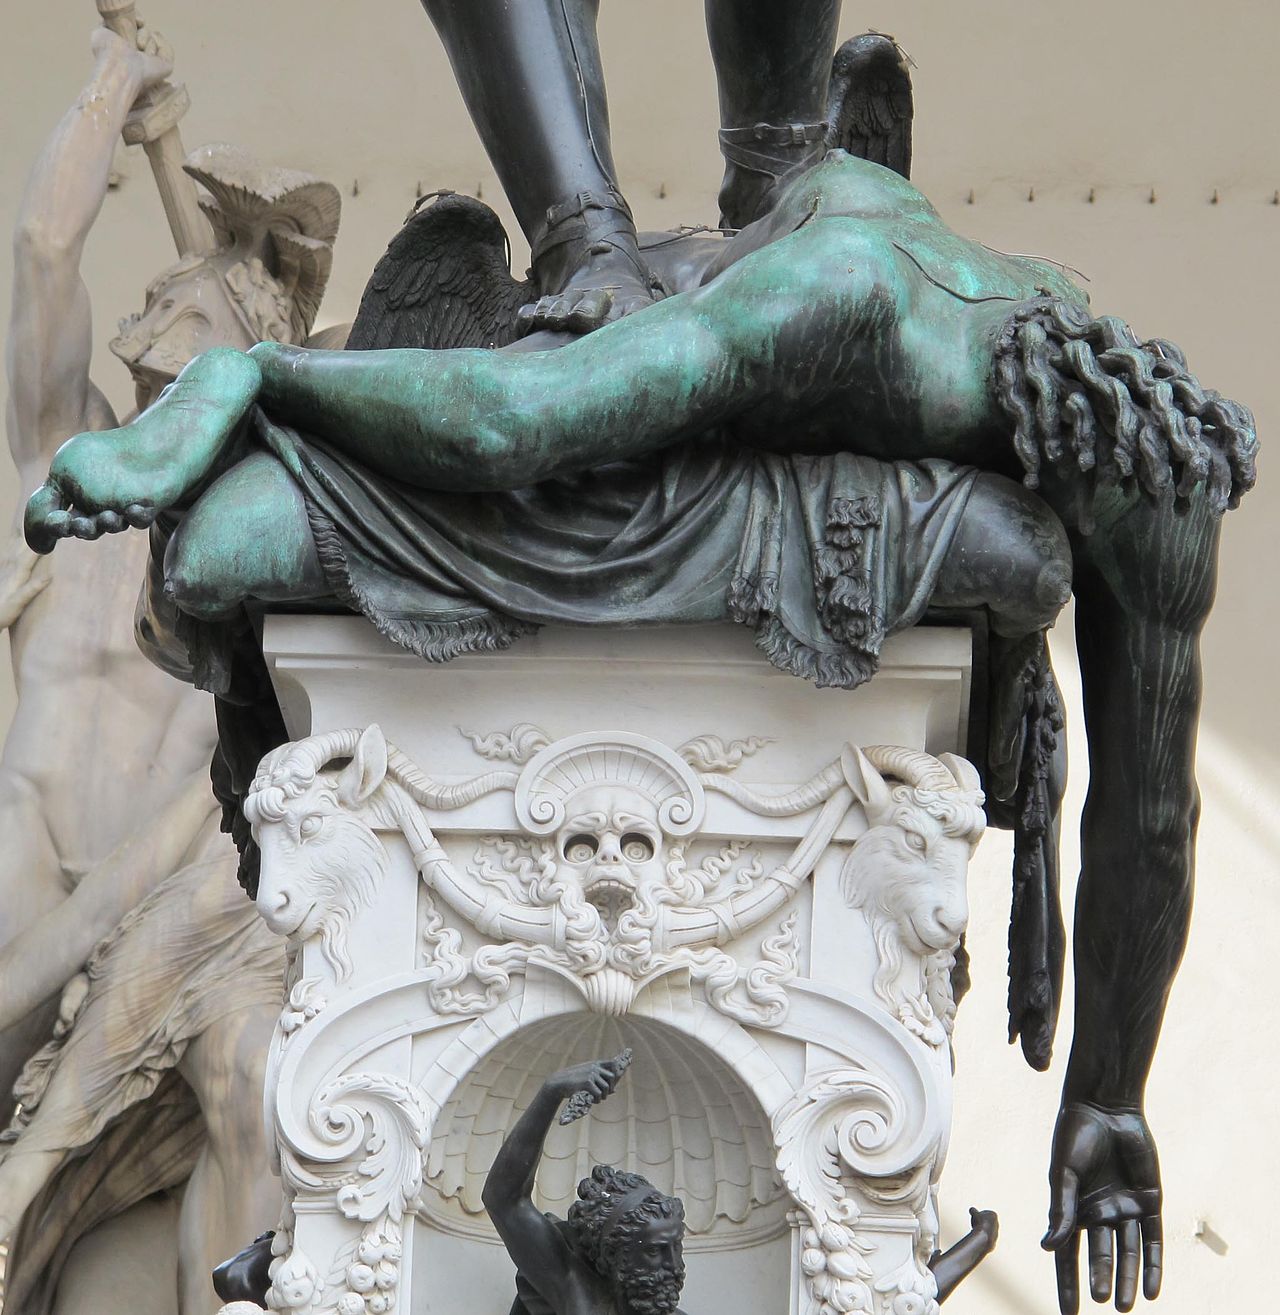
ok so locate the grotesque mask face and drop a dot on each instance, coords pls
(189, 309)
(612, 840)
(650, 1268)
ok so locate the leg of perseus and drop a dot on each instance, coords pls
(531, 76)
(773, 66)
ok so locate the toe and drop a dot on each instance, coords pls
(591, 311)
(629, 305)
(85, 527)
(45, 520)
(139, 515)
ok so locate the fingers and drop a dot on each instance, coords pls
(1063, 1239)
(1101, 1262)
(1063, 1202)
(1067, 1262)
(1152, 1256)
(1128, 1255)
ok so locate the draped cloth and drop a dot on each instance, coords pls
(105, 1092)
(822, 556)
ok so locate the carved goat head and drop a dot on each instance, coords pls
(910, 866)
(321, 861)
(907, 875)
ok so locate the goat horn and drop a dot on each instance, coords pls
(920, 770)
(814, 792)
(423, 790)
(316, 751)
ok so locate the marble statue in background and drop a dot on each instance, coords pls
(817, 433)
(137, 992)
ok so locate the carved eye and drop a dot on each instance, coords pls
(636, 848)
(310, 826)
(581, 848)
(916, 841)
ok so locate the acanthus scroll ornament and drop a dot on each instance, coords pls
(836, 1125)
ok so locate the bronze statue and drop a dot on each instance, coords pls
(532, 79)
(811, 397)
(622, 1247)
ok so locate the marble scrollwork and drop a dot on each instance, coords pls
(589, 861)
(597, 882)
(822, 1134)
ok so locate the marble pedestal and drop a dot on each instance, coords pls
(597, 840)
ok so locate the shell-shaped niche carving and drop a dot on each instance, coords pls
(569, 767)
(680, 1116)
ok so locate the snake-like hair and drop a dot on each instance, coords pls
(1085, 393)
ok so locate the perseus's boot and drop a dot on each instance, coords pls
(586, 252)
(759, 161)
(531, 76)
(773, 68)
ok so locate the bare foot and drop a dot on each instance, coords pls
(609, 284)
(101, 482)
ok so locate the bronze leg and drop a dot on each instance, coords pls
(773, 64)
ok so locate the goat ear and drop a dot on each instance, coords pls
(366, 770)
(965, 773)
(867, 784)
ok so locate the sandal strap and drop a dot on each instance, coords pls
(586, 215)
(771, 148)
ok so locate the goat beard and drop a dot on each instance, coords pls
(648, 1292)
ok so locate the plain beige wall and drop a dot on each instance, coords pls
(1012, 97)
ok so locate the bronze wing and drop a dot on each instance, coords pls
(869, 104)
(445, 281)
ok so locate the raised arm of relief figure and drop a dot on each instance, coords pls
(49, 341)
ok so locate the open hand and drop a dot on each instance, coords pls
(1104, 1178)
